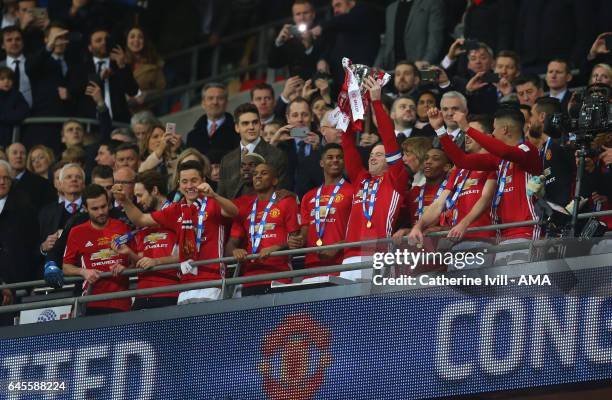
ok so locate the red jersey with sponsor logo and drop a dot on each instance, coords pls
(412, 201)
(468, 197)
(515, 204)
(335, 222)
(156, 243)
(282, 219)
(391, 188)
(89, 248)
(213, 236)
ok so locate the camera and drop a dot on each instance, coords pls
(297, 30)
(429, 75)
(592, 115)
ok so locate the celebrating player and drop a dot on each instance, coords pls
(89, 245)
(514, 159)
(203, 241)
(325, 210)
(152, 246)
(379, 189)
(262, 227)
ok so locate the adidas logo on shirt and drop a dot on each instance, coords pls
(88, 244)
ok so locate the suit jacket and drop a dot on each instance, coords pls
(423, 34)
(121, 83)
(52, 217)
(230, 181)
(303, 172)
(18, 240)
(39, 190)
(224, 140)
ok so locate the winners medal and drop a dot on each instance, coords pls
(371, 191)
(320, 222)
(369, 224)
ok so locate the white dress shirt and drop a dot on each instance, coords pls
(250, 146)
(107, 98)
(2, 203)
(25, 87)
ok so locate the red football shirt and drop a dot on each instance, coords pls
(390, 191)
(468, 197)
(213, 240)
(515, 204)
(156, 243)
(335, 223)
(412, 202)
(281, 220)
(90, 248)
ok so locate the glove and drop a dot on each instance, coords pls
(54, 275)
(535, 186)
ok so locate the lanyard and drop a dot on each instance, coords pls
(320, 224)
(256, 238)
(458, 188)
(200, 228)
(501, 184)
(421, 197)
(367, 213)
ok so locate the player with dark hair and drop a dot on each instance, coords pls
(89, 253)
(326, 209)
(515, 160)
(263, 226)
(198, 221)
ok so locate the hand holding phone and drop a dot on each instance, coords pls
(299, 132)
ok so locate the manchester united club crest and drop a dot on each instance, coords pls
(295, 358)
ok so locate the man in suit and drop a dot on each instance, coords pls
(53, 217)
(248, 127)
(451, 103)
(353, 32)
(558, 75)
(215, 129)
(303, 153)
(18, 228)
(39, 190)
(299, 51)
(414, 31)
(403, 114)
(12, 44)
(108, 69)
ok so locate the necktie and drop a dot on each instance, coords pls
(213, 129)
(244, 152)
(17, 75)
(99, 70)
(73, 208)
(302, 149)
(62, 65)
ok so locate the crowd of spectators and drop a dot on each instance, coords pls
(457, 68)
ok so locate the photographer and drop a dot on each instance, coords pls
(556, 161)
(596, 185)
(295, 45)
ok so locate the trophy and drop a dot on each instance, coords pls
(354, 98)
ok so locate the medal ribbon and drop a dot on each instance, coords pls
(501, 184)
(421, 197)
(256, 237)
(200, 228)
(320, 224)
(367, 213)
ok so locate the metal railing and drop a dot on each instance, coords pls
(87, 123)
(228, 282)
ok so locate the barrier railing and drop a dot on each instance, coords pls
(224, 282)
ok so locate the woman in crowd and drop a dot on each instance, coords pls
(146, 64)
(189, 154)
(159, 150)
(319, 106)
(425, 101)
(39, 161)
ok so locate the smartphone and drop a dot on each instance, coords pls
(297, 30)
(471, 44)
(299, 132)
(490, 77)
(429, 75)
(171, 127)
(608, 40)
(93, 77)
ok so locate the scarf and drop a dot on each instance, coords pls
(187, 237)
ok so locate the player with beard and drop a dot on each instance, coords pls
(89, 245)
(558, 165)
(325, 210)
(464, 203)
(379, 189)
(516, 162)
(151, 246)
(247, 166)
(263, 226)
(198, 221)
